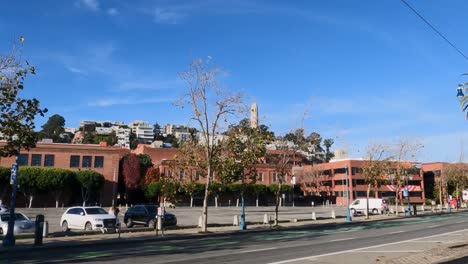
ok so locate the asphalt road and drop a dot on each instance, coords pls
(305, 244)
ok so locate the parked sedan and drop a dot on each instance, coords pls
(88, 218)
(22, 223)
(146, 215)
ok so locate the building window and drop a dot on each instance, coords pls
(275, 176)
(169, 173)
(74, 161)
(260, 176)
(99, 162)
(23, 160)
(339, 171)
(181, 175)
(49, 160)
(86, 163)
(36, 160)
(197, 175)
(355, 170)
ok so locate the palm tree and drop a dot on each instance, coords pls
(462, 98)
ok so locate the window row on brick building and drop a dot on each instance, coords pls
(48, 160)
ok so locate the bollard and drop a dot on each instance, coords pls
(266, 219)
(200, 221)
(45, 229)
(236, 221)
(333, 216)
(39, 229)
(294, 220)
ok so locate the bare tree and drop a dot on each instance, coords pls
(210, 106)
(374, 169)
(282, 162)
(404, 153)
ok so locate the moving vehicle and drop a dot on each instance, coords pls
(22, 223)
(88, 218)
(376, 205)
(147, 215)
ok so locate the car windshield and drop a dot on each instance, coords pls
(18, 217)
(151, 209)
(94, 211)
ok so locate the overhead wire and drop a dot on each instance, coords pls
(434, 29)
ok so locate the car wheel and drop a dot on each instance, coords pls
(129, 223)
(88, 226)
(65, 226)
(151, 223)
(375, 211)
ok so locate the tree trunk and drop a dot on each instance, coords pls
(216, 201)
(191, 201)
(367, 201)
(256, 202)
(237, 202)
(30, 200)
(458, 197)
(56, 203)
(277, 204)
(205, 202)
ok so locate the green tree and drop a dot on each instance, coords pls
(457, 175)
(89, 138)
(190, 188)
(169, 187)
(28, 182)
(91, 182)
(16, 114)
(157, 132)
(463, 98)
(210, 105)
(259, 190)
(56, 181)
(53, 128)
(4, 182)
(152, 191)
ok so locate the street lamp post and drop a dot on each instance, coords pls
(348, 215)
(408, 212)
(242, 225)
(9, 240)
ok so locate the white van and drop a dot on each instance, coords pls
(376, 206)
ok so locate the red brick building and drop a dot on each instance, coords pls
(101, 158)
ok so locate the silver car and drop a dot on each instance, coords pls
(22, 224)
(3, 208)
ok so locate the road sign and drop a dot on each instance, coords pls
(14, 173)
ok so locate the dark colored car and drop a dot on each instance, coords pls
(146, 215)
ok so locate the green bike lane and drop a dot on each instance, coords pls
(249, 243)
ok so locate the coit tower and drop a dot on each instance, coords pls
(254, 116)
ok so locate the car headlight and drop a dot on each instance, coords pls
(98, 219)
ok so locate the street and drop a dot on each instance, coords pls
(346, 243)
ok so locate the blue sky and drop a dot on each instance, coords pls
(364, 71)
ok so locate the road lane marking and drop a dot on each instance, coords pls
(257, 250)
(439, 241)
(432, 226)
(459, 222)
(341, 239)
(396, 232)
(389, 251)
(364, 248)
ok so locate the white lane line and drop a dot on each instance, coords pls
(396, 232)
(433, 226)
(389, 251)
(342, 239)
(440, 241)
(364, 248)
(257, 250)
(459, 222)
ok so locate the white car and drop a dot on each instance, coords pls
(3, 208)
(88, 218)
(22, 224)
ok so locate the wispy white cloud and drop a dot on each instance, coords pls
(113, 11)
(129, 101)
(92, 5)
(150, 85)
